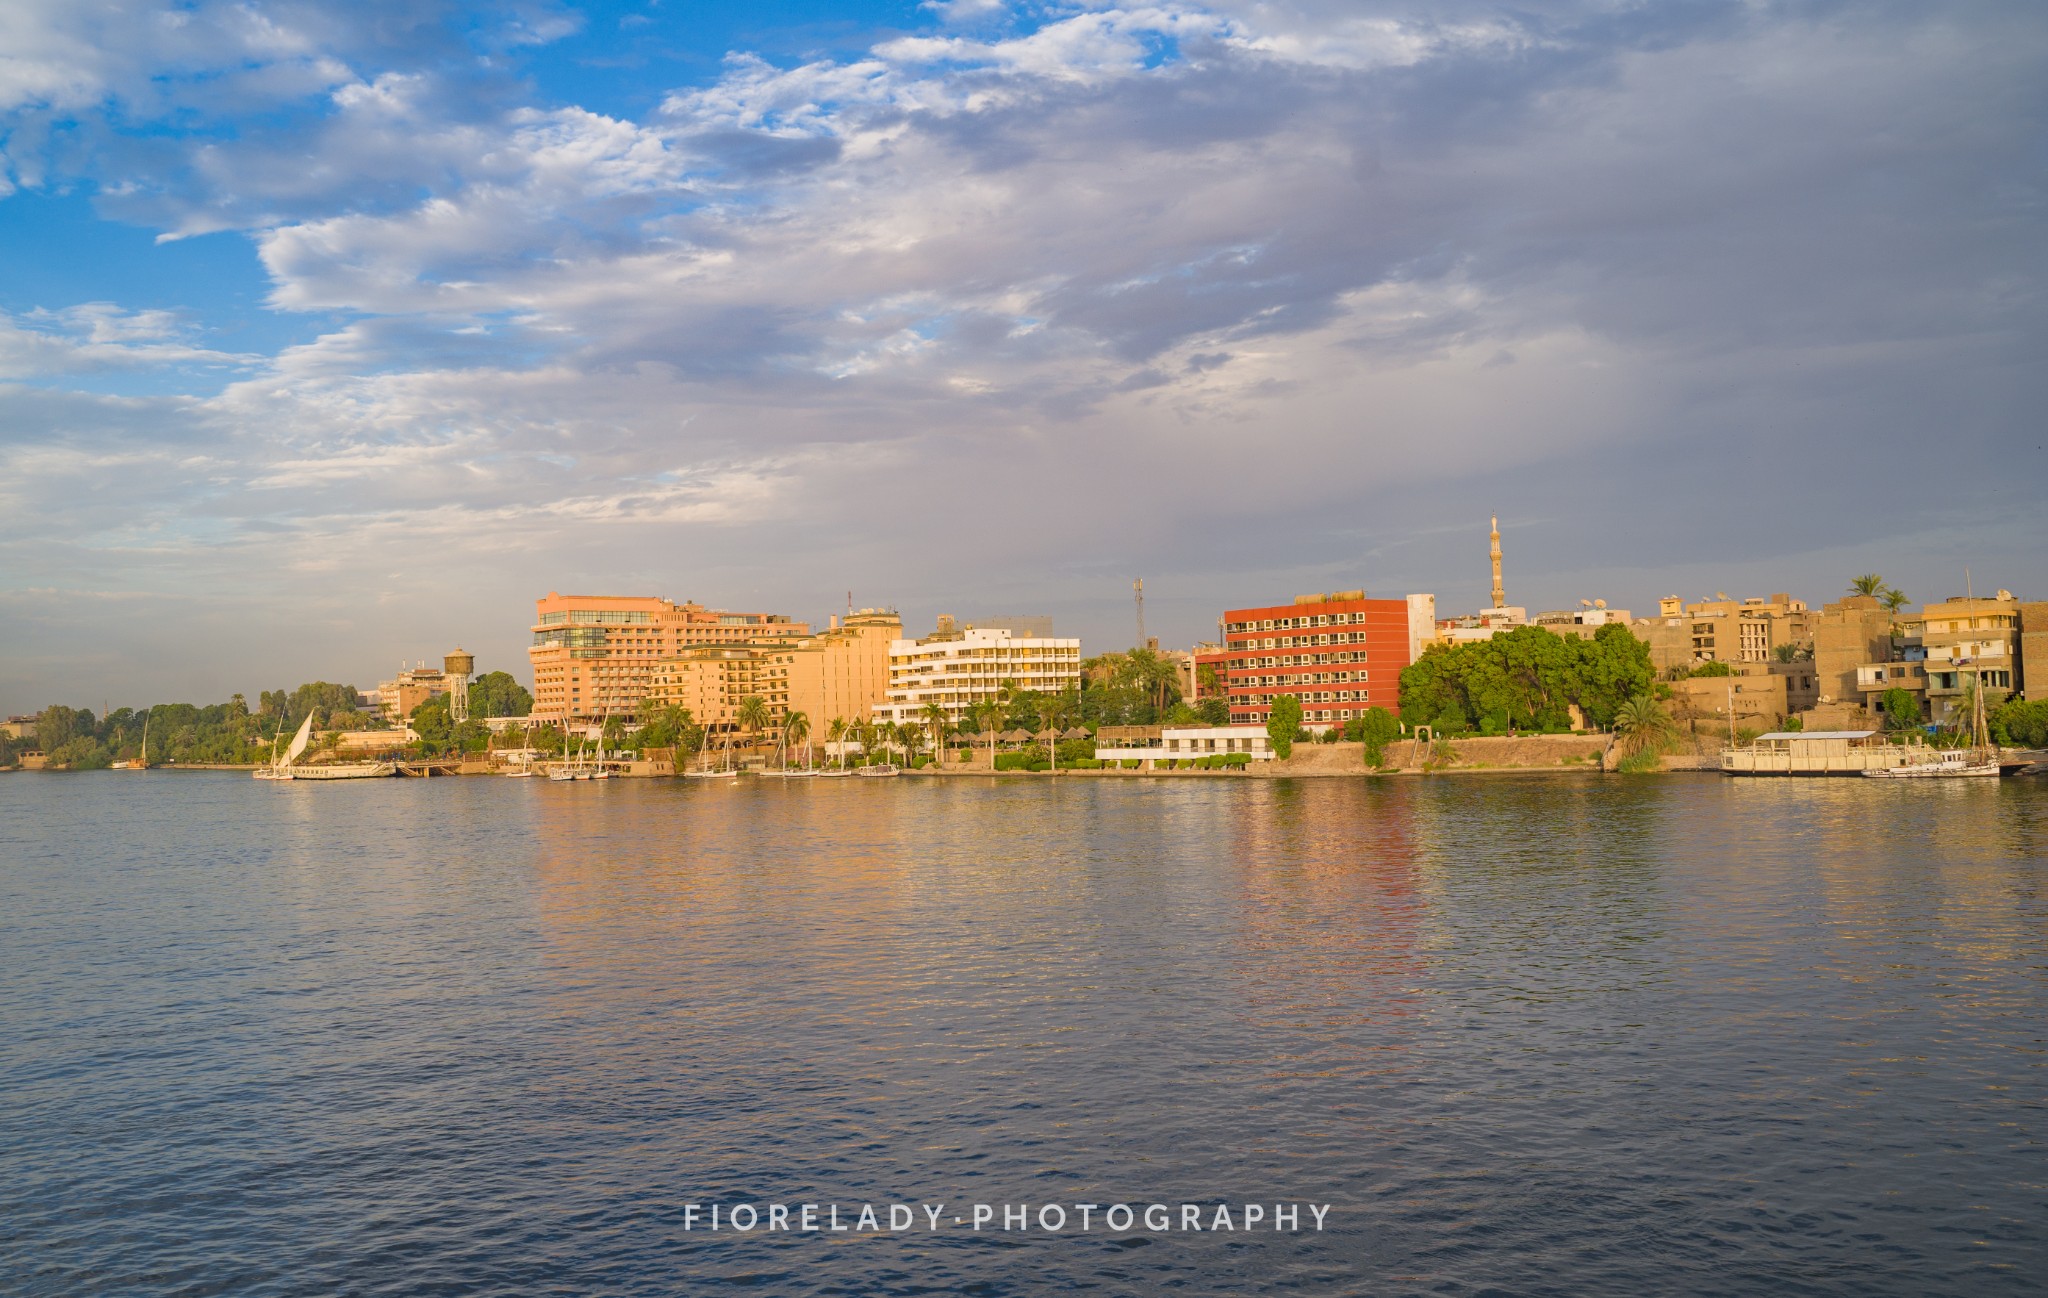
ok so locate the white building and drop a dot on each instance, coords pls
(1151, 743)
(959, 669)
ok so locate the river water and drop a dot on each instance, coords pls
(1522, 1035)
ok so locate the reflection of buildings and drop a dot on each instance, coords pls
(1329, 913)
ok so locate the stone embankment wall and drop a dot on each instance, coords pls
(1502, 753)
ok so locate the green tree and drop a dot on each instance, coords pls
(1375, 728)
(1282, 724)
(752, 715)
(497, 694)
(835, 733)
(1868, 584)
(1644, 726)
(1712, 667)
(2021, 724)
(1901, 709)
(1893, 599)
(937, 724)
(796, 728)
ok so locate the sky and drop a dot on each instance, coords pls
(333, 335)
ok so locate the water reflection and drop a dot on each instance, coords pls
(1563, 1034)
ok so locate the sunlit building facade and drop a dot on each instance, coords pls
(594, 655)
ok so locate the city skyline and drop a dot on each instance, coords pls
(334, 336)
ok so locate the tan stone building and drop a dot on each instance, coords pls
(397, 697)
(840, 672)
(1740, 630)
(1761, 694)
(1967, 640)
(1847, 635)
(594, 655)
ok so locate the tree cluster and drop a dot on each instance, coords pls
(1527, 680)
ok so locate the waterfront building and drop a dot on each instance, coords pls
(1154, 743)
(1848, 635)
(840, 672)
(1759, 695)
(20, 727)
(1748, 630)
(1966, 640)
(594, 655)
(397, 697)
(1338, 653)
(959, 666)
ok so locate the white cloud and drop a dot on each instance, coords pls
(1154, 280)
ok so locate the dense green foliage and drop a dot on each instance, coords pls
(2021, 724)
(1901, 709)
(496, 694)
(1525, 680)
(1713, 667)
(1375, 728)
(1283, 723)
(229, 733)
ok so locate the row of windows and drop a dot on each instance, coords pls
(1301, 660)
(597, 617)
(1295, 641)
(1292, 623)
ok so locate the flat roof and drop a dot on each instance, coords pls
(1817, 734)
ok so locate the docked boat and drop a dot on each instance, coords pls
(1948, 768)
(280, 767)
(346, 771)
(879, 771)
(141, 762)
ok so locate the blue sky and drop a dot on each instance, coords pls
(331, 335)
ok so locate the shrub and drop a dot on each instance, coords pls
(1713, 668)
(1641, 762)
(1237, 759)
(1133, 763)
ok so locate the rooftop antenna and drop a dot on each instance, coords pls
(1138, 594)
(1500, 598)
(849, 603)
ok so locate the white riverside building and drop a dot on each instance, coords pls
(963, 668)
(1155, 743)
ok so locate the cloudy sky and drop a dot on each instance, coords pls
(331, 334)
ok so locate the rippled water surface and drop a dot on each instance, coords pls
(1533, 1035)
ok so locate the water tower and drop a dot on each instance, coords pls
(459, 666)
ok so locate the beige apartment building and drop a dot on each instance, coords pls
(840, 672)
(1850, 634)
(1738, 630)
(1966, 640)
(957, 667)
(594, 655)
(1762, 695)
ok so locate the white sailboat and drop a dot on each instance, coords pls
(280, 767)
(141, 762)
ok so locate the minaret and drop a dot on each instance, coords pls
(1500, 598)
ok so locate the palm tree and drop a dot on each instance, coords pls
(936, 721)
(796, 729)
(987, 716)
(753, 714)
(1642, 723)
(1868, 584)
(835, 733)
(866, 733)
(912, 739)
(1893, 599)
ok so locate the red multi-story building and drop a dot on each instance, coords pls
(1339, 654)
